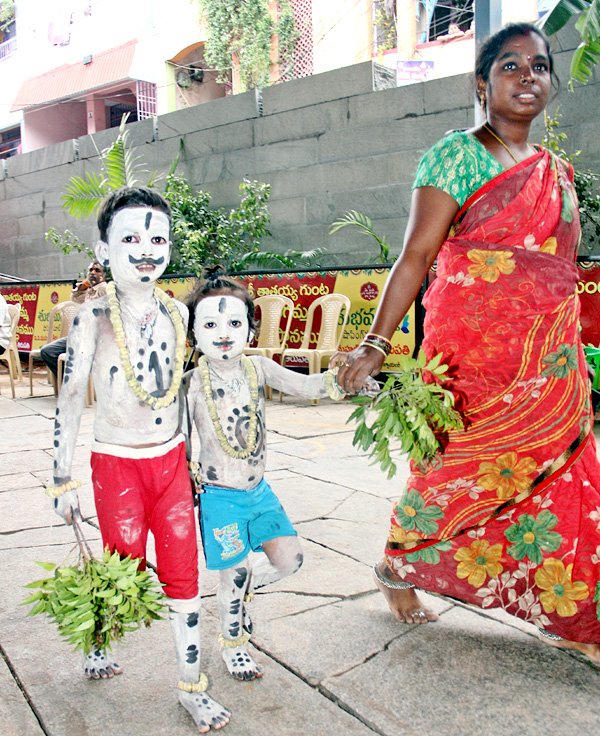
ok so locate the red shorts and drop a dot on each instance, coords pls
(134, 495)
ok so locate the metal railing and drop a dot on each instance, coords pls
(8, 48)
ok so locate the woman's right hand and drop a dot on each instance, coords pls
(355, 366)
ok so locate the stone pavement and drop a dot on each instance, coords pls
(336, 662)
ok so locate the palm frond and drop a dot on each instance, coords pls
(586, 56)
(83, 196)
(366, 226)
(118, 160)
(561, 14)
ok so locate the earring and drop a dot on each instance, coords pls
(482, 101)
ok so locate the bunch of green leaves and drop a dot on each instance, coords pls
(203, 235)
(68, 242)
(408, 411)
(365, 224)
(587, 183)
(95, 602)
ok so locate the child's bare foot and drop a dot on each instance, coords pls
(240, 664)
(205, 711)
(405, 604)
(100, 665)
(592, 651)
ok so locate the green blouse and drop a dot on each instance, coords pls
(458, 165)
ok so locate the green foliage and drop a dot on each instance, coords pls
(587, 184)
(242, 30)
(7, 13)
(202, 235)
(119, 168)
(408, 411)
(387, 36)
(288, 36)
(592, 355)
(366, 226)
(95, 602)
(68, 242)
(587, 54)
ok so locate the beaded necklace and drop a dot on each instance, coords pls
(250, 371)
(154, 402)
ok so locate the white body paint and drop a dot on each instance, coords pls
(221, 330)
(138, 252)
(121, 419)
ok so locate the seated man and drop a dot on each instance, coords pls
(5, 333)
(92, 287)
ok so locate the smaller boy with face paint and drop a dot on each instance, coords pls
(132, 341)
(239, 512)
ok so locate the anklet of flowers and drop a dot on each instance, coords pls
(331, 384)
(549, 635)
(232, 643)
(194, 687)
(378, 342)
(393, 584)
(154, 402)
(248, 366)
(55, 491)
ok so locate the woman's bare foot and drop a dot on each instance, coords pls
(405, 604)
(591, 651)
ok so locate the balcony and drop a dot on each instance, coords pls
(8, 48)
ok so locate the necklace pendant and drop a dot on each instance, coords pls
(146, 331)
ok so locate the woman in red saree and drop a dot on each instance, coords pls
(508, 514)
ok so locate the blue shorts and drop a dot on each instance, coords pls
(233, 522)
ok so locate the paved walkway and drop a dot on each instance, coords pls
(336, 662)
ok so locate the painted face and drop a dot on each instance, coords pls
(221, 327)
(138, 248)
(519, 81)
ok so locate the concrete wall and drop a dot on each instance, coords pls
(326, 144)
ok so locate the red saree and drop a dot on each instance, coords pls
(508, 514)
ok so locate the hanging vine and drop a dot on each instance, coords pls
(240, 33)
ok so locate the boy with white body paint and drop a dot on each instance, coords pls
(133, 343)
(238, 510)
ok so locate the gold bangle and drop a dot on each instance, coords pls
(53, 491)
(232, 643)
(194, 687)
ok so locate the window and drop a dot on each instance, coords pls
(449, 17)
(8, 29)
(10, 142)
(385, 29)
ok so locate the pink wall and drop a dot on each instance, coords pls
(53, 124)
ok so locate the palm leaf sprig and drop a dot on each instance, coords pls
(95, 602)
(587, 54)
(119, 168)
(407, 411)
(365, 225)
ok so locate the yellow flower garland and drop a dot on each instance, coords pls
(212, 409)
(154, 402)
